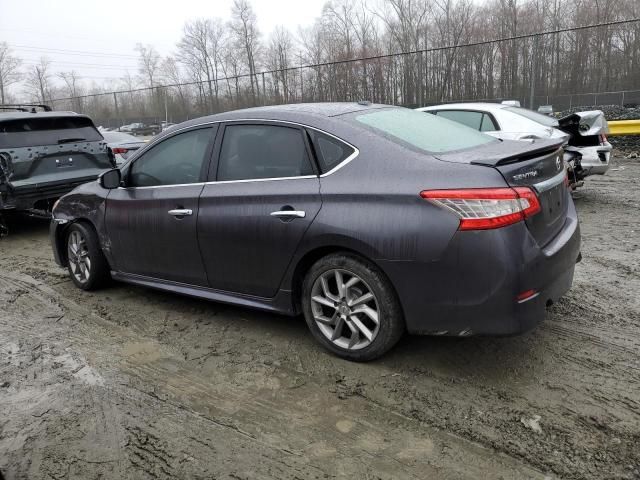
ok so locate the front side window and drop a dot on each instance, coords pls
(428, 133)
(252, 152)
(174, 161)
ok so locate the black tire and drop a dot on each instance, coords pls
(390, 326)
(98, 268)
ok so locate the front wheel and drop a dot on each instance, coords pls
(85, 261)
(351, 307)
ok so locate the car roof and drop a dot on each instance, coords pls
(21, 115)
(487, 106)
(297, 111)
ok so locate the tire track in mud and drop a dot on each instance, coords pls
(226, 390)
(270, 420)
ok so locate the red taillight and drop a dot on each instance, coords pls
(119, 150)
(486, 208)
(603, 138)
(526, 295)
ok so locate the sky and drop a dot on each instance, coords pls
(97, 38)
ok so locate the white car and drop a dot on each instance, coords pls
(122, 145)
(584, 132)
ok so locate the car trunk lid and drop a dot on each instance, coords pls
(585, 129)
(538, 165)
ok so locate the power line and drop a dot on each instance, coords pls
(88, 65)
(375, 57)
(71, 52)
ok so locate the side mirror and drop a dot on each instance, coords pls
(110, 179)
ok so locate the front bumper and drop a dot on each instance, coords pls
(54, 238)
(472, 289)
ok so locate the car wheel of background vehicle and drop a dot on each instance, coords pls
(351, 308)
(85, 261)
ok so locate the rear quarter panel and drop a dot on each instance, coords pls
(373, 206)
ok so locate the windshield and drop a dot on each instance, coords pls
(535, 116)
(424, 131)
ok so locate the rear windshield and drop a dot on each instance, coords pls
(535, 116)
(38, 131)
(119, 137)
(428, 133)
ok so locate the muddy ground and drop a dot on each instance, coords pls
(128, 382)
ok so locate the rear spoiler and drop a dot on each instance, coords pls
(503, 152)
(586, 124)
(25, 107)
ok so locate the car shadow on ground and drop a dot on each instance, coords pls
(21, 224)
(486, 357)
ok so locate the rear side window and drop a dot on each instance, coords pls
(252, 152)
(36, 131)
(488, 125)
(428, 133)
(119, 137)
(535, 116)
(330, 151)
(470, 119)
(176, 160)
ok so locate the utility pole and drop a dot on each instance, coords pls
(532, 77)
(166, 110)
(115, 103)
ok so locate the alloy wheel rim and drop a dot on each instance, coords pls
(78, 254)
(345, 309)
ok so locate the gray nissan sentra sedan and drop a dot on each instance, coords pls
(369, 219)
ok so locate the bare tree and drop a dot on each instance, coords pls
(172, 75)
(201, 50)
(244, 26)
(38, 80)
(417, 55)
(73, 89)
(9, 70)
(406, 22)
(148, 63)
(279, 60)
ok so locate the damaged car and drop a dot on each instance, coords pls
(46, 154)
(370, 220)
(587, 150)
(122, 145)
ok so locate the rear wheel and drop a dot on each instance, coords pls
(351, 307)
(85, 261)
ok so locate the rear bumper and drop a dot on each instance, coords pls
(472, 289)
(595, 160)
(26, 197)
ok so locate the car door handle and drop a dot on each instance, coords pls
(180, 212)
(289, 214)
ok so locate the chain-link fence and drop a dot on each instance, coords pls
(536, 69)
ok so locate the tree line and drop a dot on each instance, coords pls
(220, 65)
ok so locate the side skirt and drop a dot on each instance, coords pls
(282, 303)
